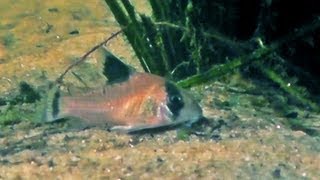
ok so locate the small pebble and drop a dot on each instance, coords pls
(276, 173)
(74, 32)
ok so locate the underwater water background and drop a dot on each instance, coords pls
(246, 135)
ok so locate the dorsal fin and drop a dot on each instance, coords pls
(114, 69)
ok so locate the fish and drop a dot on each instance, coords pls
(130, 101)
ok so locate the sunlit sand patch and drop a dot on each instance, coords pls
(39, 41)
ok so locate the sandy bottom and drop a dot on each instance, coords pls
(243, 138)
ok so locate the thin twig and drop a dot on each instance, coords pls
(83, 58)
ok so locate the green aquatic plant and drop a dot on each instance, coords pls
(21, 105)
(10, 116)
(126, 17)
(9, 40)
(183, 134)
(26, 94)
(311, 127)
(175, 43)
(293, 89)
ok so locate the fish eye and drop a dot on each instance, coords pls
(175, 103)
(175, 99)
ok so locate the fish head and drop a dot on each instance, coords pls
(180, 107)
(162, 108)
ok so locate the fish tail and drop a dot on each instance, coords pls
(53, 107)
